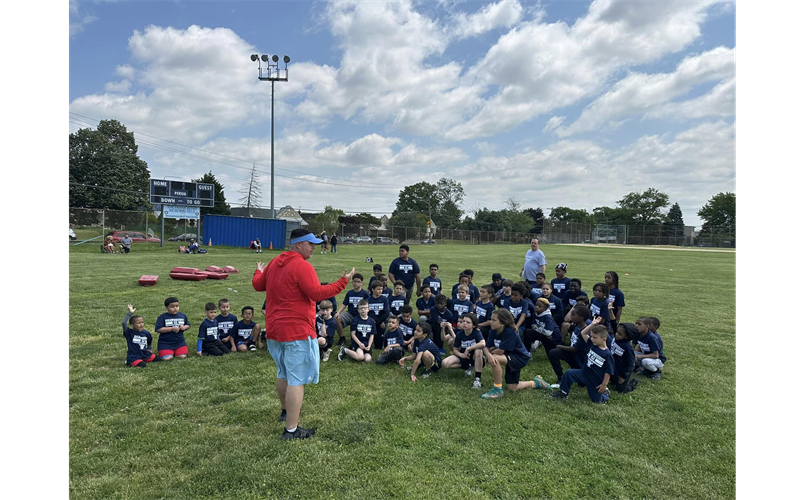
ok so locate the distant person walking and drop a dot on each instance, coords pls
(334, 243)
(534, 263)
(323, 241)
(292, 290)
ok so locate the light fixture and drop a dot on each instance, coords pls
(286, 59)
(254, 57)
(264, 58)
(275, 58)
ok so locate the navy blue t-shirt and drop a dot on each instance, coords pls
(525, 306)
(650, 343)
(473, 295)
(396, 302)
(502, 300)
(464, 341)
(484, 311)
(243, 331)
(363, 328)
(623, 354)
(407, 329)
(387, 292)
(422, 305)
(225, 324)
(598, 362)
(459, 307)
(616, 296)
(557, 311)
(138, 343)
(581, 347)
(379, 309)
(395, 337)
(599, 308)
(404, 271)
(351, 300)
(330, 326)
(369, 286)
(544, 323)
(435, 284)
(437, 317)
(428, 345)
(171, 340)
(569, 300)
(209, 329)
(559, 287)
(509, 341)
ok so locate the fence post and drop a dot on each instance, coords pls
(103, 222)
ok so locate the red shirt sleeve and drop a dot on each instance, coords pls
(259, 280)
(310, 286)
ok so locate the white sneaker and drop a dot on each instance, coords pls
(535, 345)
(341, 353)
(326, 355)
(476, 384)
(554, 386)
(468, 372)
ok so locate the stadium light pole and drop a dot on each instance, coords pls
(271, 69)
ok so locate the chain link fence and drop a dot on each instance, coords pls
(89, 223)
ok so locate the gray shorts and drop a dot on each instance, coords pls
(346, 318)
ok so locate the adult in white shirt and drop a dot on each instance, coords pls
(534, 263)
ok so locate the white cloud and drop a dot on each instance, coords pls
(498, 15)
(117, 87)
(640, 92)
(553, 123)
(720, 102)
(126, 71)
(78, 18)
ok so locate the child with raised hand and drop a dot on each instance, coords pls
(171, 326)
(398, 299)
(505, 349)
(597, 370)
(407, 326)
(393, 349)
(138, 340)
(209, 341)
(468, 349)
(573, 355)
(325, 329)
(247, 332)
(363, 331)
(425, 353)
(624, 357)
(425, 303)
(226, 322)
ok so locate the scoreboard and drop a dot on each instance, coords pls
(182, 193)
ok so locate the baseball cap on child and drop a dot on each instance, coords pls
(561, 266)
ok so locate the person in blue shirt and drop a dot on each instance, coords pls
(246, 331)
(572, 354)
(506, 294)
(522, 310)
(497, 284)
(425, 353)
(398, 299)
(378, 310)
(209, 333)
(406, 270)
(226, 322)
(615, 296)
(432, 281)
(597, 369)
(561, 283)
(573, 292)
(543, 330)
(407, 326)
(439, 317)
(363, 331)
(377, 270)
(393, 349)
(581, 300)
(505, 349)
(474, 292)
(535, 262)
(171, 326)
(138, 340)
(468, 348)
(599, 303)
(649, 354)
(463, 279)
(325, 330)
(484, 308)
(462, 303)
(387, 292)
(624, 355)
(556, 309)
(351, 299)
(425, 303)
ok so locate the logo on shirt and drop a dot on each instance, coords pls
(225, 326)
(558, 287)
(212, 331)
(406, 267)
(595, 310)
(573, 339)
(644, 347)
(572, 302)
(397, 304)
(497, 343)
(516, 311)
(467, 343)
(364, 328)
(434, 285)
(481, 312)
(617, 350)
(244, 333)
(376, 307)
(174, 322)
(140, 341)
(460, 308)
(353, 301)
(611, 298)
(594, 359)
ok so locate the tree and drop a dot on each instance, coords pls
(538, 217)
(402, 221)
(718, 212)
(220, 207)
(326, 221)
(364, 218)
(441, 201)
(614, 216)
(514, 218)
(565, 214)
(107, 158)
(484, 219)
(252, 193)
(675, 216)
(646, 207)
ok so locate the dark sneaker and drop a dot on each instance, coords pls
(283, 414)
(341, 353)
(299, 433)
(252, 347)
(656, 375)
(558, 394)
(426, 373)
(639, 369)
(633, 383)
(341, 341)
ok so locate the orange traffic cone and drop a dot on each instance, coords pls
(271, 245)
(210, 242)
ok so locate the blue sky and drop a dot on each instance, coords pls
(551, 104)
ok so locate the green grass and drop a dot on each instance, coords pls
(207, 428)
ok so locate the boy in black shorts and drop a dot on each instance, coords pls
(246, 330)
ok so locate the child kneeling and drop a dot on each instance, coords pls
(394, 338)
(599, 368)
(208, 334)
(138, 340)
(425, 353)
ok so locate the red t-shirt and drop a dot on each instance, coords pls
(292, 290)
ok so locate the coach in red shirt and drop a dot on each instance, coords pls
(292, 290)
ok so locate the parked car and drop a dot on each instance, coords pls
(363, 239)
(183, 237)
(117, 237)
(346, 240)
(428, 242)
(73, 237)
(382, 240)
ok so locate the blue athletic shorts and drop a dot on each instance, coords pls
(297, 361)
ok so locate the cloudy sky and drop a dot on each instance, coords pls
(552, 103)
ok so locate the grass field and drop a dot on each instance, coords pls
(206, 428)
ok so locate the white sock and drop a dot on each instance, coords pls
(291, 430)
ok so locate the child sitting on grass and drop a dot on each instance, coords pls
(138, 340)
(208, 335)
(439, 317)
(468, 349)
(325, 329)
(484, 308)
(398, 299)
(648, 352)
(598, 369)
(171, 326)
(246, 331)
(425, 303)
(393, 349)
(624, 357)
(363, 331)
(226, 322)
(425, 353)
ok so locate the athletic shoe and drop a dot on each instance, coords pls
(493, 393)
(326, 355)
(341, 341)
(539, 383)
(252, 347)
(554, 386)
(476, 384)
(558, 394)
(639, 369)
(535, 345)
(408, 368)
(299, 433)
(633, 383)
(341, 353)
(283, 414)
(426, 373)
(468, 372)
(656, 375)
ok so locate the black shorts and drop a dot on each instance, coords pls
(328, 343)
(513, 366)
(246, 342)
(354, 347)
(467, 363)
